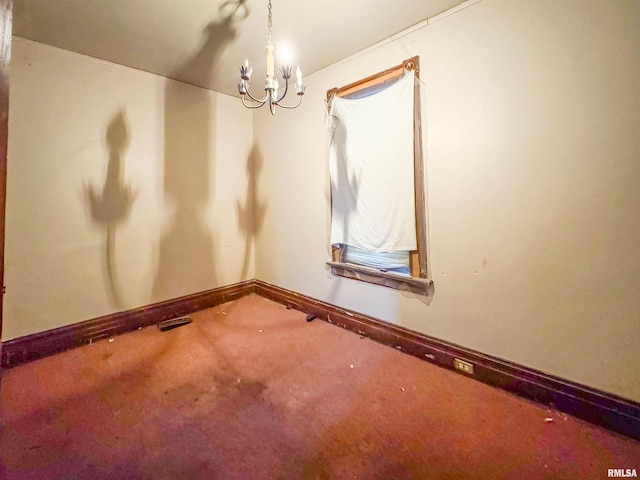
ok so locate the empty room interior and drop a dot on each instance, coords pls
(416, 255)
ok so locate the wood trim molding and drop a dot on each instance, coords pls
(6, 27)
(412, 63)
(418, 257)
(595, 406)
(32, 347)
(416, 285)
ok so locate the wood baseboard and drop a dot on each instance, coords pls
(32, 347)
(597, 407)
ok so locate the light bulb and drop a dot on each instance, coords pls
(298, 76)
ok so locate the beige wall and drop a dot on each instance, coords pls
(124, 189)
(532, 118)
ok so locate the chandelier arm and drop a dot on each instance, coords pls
(291, 107)
(261, 102)
(248, 105)
(286, 87)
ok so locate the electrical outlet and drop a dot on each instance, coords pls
(463, 366)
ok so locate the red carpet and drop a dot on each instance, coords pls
(250, 390)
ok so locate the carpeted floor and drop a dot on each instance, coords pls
(250, 390)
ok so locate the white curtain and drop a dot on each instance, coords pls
(371, 169)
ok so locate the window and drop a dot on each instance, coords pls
(378, 222)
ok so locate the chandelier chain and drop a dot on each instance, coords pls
(269, 35)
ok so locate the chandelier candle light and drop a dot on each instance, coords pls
(271, 86)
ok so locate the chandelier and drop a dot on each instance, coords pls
(271, 85)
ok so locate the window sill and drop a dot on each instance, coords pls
(378, 277)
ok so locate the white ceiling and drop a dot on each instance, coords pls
(203, 42)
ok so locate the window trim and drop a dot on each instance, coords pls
(419, 281)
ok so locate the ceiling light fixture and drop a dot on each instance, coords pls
(271, 85)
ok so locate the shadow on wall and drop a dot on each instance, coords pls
(346, 203)
(251, 214)
(341, 206)
(111, 207)
(187, 249)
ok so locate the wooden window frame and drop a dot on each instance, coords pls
(419, 281)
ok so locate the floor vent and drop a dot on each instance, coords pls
(174, 323)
